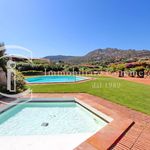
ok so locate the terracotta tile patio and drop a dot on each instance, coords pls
(137, 137)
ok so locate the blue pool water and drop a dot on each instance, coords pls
(54, 79)
(53, 118)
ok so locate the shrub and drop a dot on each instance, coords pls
(120, 67)
(3, 88)
(129, 66)
(20, 82)
(140, 71)
(76, 69)
(140, 68)
(24, 66)
(38, 67)
(131, 72)
(112, 68)
(32, 72)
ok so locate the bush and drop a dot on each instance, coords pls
(20, 84)
(140, 71)
(128, 66)
(120, 67)
(26, 67)
(112, 68)
(131, 72)
(38, 67)
(3, 88)
(140, 68)
(75, 69)
(32, 72)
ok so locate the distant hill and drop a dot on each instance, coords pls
(59, 58)
(104, 56)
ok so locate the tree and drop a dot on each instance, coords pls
(2, 59)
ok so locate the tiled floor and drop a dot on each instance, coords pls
(137, 137)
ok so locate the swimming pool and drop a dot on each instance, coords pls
(48, 119)
(48, 124)
(54, 79)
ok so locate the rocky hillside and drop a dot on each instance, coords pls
(106, 56)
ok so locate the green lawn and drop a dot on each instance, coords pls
(130, 94)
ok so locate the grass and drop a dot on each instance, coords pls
(133, 95)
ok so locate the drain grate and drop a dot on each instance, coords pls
(45, 124)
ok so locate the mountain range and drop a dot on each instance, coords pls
(104, 56)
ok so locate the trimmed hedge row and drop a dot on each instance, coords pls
(38, 67)
(32, 72)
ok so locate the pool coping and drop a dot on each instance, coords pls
(71, 99)
(106, 137)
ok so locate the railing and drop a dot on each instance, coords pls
(71, 73)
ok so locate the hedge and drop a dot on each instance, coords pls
(32, 72)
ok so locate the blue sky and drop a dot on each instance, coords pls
(74, 27)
